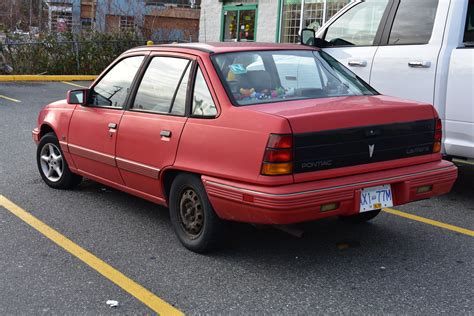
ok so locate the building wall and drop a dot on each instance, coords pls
(210, 21)
(172, 24)
(267, 24)
(211, 13)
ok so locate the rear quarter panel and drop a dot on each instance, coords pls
(231, 146)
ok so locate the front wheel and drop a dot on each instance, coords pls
(361, 217)
(194, 221)
(52, 166)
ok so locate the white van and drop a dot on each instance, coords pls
(415, 49)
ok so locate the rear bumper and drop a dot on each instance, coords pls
(302, 202)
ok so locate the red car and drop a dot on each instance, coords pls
(257, 133)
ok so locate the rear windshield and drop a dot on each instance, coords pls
(255, 77)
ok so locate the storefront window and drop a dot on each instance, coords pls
(315, 13)
(290, 21)
(239, 23)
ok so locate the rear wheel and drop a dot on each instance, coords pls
(361, 217)
(52, 166)
(194, 221)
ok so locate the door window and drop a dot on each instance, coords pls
(203, 105)
(162, 82)
(469, 32)
(113, 88)
(413, 22)
(239, 24)
(359, 25)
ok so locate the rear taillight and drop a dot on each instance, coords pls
(278, 158)
(438, 136)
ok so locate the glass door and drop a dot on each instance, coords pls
(239, 23)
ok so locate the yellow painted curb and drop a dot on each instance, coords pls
(47, 77)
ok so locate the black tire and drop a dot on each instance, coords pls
(194, 221)
(361, 217)
(49, 147)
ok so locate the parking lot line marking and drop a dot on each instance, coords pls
(430, 222)
(74, 84)
(136, 290)
(9, 99)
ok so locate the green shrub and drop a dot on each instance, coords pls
(67, 53)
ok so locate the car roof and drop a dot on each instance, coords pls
(226, 47)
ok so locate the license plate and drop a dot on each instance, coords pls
(375, 198)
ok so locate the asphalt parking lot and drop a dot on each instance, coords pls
(394, 264)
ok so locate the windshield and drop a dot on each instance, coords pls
(255, 77)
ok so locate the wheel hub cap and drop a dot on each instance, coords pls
(191, 213)
(51, 162)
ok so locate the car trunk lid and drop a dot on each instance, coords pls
(347, 132)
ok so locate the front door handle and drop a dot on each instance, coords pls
(419, 64)
(357, 63)
(112, 129)
(165, 133)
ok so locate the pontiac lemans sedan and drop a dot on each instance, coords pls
(257, 133)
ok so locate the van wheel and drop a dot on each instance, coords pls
(52, 165)
(194, 221)
(360, 218)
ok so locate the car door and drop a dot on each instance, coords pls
(405, 66)
(151, 128)
(459, 123)
(93, 127)
(355, 33)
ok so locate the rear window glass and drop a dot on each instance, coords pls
(413, 22)
(272, 76)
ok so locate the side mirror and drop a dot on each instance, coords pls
(78, 96)
(307, 37)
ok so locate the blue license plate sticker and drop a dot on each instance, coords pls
(375, 198)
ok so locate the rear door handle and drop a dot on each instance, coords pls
(165, 133)
(419, 64)
(357, 63)
(112, 126)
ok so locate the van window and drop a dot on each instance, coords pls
(469, 32)
(413, 22)
(359, 25)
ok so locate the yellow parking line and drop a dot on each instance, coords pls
(9, 99)
(73, 84)
(430, 222)
(146, 297)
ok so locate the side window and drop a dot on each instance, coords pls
(413, 22)
(160, 84)
(179, 104)
(469, 31)
(359, 25)
(203, 105)
(113, 88)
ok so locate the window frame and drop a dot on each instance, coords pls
(142, 72)
(384, 21)
(108, 69)
(238, 8)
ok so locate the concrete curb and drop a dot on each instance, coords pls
(47, 77)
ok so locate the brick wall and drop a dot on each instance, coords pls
(172, 24)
